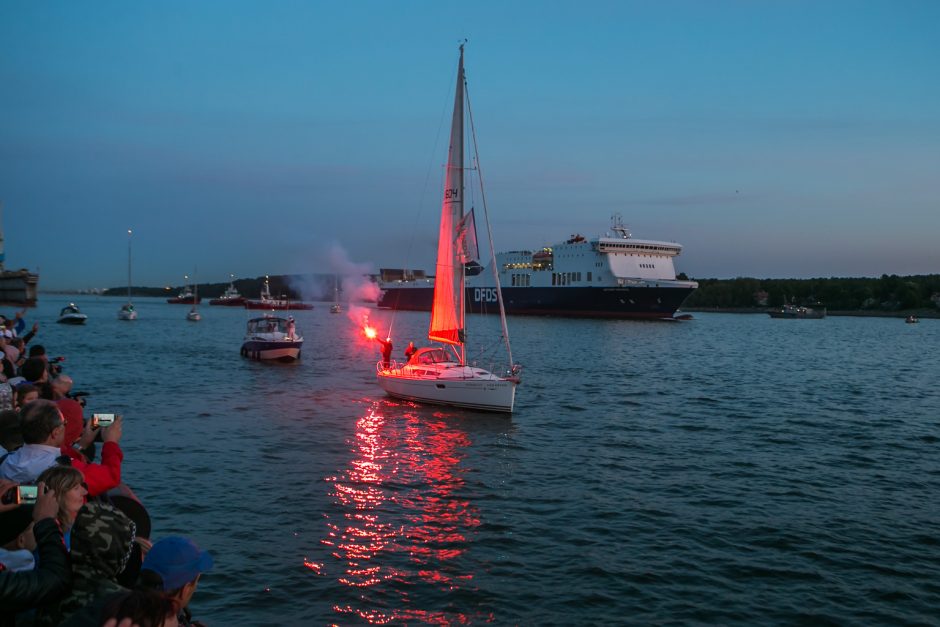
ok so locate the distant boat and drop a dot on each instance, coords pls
(440, 374)
(796, 311)
(194, 315)
(270, 304)
(272, 338)
(912, 319)
(127, 311)
(186, 297)
(229, 298)
(71, 315)
(335, 307)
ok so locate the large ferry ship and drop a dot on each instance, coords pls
(611, 276)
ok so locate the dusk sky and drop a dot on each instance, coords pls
(769, 138)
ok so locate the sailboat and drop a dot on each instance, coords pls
(127, 311)
(441, 374)
(194, 315)
(335, 307)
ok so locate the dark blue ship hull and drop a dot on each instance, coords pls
(580, 302)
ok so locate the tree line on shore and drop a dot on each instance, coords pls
(286, 285)
(887, 293)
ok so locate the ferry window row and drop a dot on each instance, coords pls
(647, 265)
(566, 278)
(521, 280)
(639, 247)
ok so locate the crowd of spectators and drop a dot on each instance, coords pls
(75, 545)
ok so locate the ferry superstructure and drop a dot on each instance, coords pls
(611, 276)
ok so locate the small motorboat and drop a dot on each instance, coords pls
(71, 315)
(272, 338)
(912, 319)
(336, 308)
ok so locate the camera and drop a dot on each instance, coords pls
(102, 420)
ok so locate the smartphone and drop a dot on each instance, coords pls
(27, 494)
(102, 420)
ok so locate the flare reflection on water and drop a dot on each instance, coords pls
(400, 524)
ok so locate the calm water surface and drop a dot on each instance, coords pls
(730, 470)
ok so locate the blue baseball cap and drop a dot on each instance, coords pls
(177, 560)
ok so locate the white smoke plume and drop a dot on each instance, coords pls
(352, 277)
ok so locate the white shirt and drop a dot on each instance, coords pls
(17, 561)
(25, 464)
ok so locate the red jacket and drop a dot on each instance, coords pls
(99, 477)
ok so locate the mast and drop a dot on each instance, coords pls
(447, 313)
(129, 265)
(2, 253)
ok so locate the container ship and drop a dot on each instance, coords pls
(610, 276)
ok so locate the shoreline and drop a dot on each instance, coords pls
(859, 313)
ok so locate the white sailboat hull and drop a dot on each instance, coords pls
(125, 314)
(459, 386)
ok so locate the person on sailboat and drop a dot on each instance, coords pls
(386, 351)
(410, 350)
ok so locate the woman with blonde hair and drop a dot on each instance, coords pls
(69, 486)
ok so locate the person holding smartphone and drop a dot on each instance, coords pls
(43, 428)
(52, 579)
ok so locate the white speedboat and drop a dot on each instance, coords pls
(71, 315)
(272, 338)
(442, 375)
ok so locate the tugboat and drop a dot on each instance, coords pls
(229, 298)
(790, 310)
(186, 297)
(272, 338)
(269, 303)
(71, 315)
